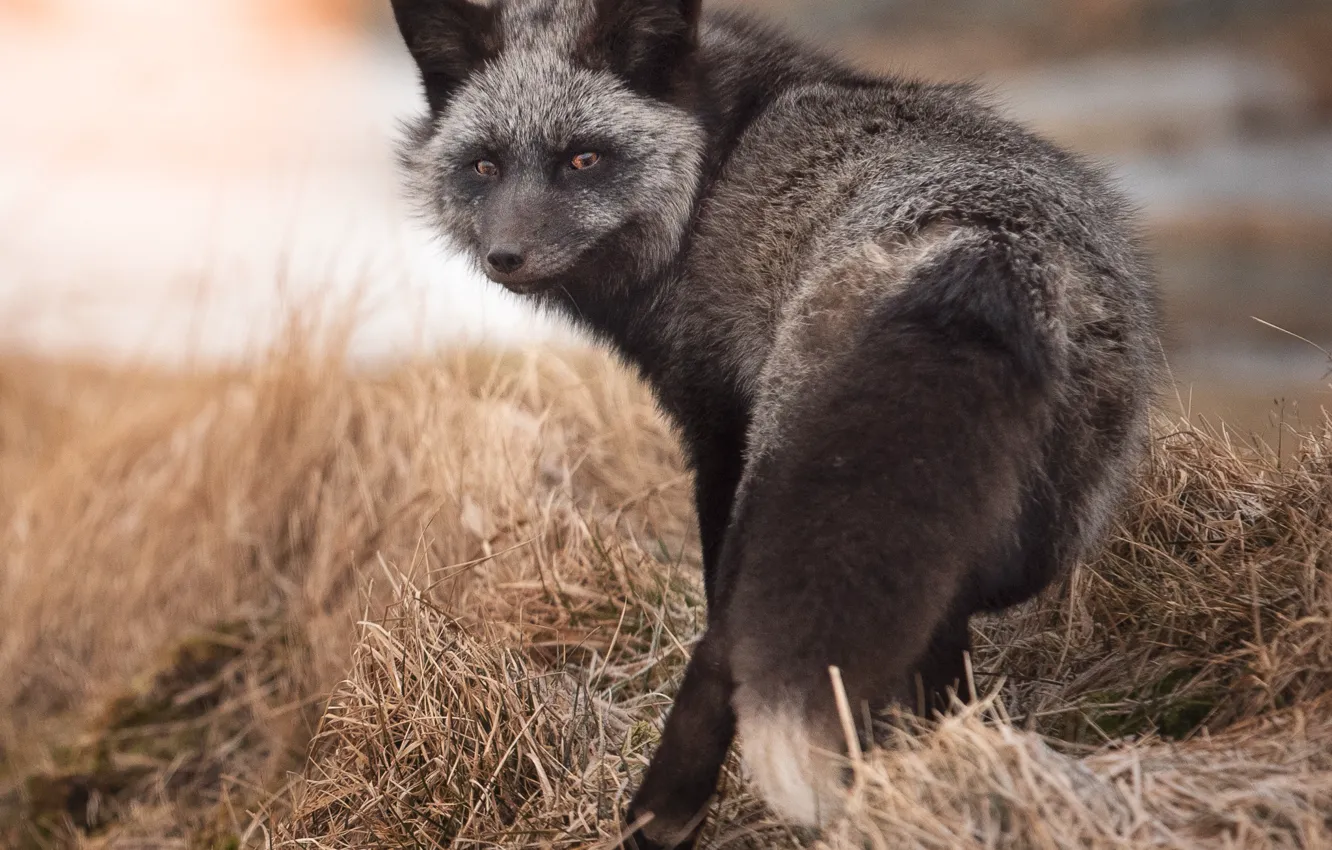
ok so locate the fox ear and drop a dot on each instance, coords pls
(449, 39)
(648, 42)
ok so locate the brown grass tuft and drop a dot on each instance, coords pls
(978, 781)
(440, 736)
(445, 605)
(162, 508)
(1212, 605)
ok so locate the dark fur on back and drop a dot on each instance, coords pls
(909, 346)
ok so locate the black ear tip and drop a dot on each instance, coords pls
(449, 39)
(434, 18)
(649, 43)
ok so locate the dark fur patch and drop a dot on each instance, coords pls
(449, 39)
(650, 44)
(989, 292)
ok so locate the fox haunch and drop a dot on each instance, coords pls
(909, 346)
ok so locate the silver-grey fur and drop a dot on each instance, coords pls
(910, 347)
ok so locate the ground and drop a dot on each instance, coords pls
(301, 604)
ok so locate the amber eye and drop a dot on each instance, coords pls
(584, 161)
(486, 168)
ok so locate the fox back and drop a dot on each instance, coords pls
(910, 347)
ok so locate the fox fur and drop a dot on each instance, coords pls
(909, 346)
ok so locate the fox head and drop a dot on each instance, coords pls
(558, 146)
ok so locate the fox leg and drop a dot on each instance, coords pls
(684, 771)
(718, 466)
(943, 666)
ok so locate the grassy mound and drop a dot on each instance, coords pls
(446, 605)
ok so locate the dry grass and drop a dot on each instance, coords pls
(166, 539)
(1212, 605)
(446, 605)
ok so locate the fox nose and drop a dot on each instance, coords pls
(505, 260)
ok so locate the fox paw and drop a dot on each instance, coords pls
(660, 835)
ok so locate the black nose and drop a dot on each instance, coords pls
(505, 260)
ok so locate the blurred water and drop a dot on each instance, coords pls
(1292, 173)
(1225, 156)
(137, 256)
(110, 247)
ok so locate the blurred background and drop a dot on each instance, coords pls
(175, 175)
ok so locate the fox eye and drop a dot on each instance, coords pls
(585, 161)
(486, 168)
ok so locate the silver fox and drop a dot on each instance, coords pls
(910, 347)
